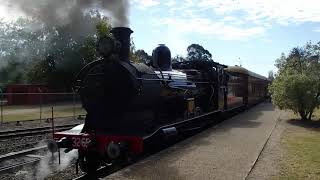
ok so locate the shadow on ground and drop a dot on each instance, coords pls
(249, 118)
(313, 124)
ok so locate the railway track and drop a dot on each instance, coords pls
(14, 160)
(14, 166)
(14, 156)
(33, 131)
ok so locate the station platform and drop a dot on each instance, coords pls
(226, 151)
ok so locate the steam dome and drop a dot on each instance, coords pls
(161, 58)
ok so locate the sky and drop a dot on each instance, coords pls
(252, 33)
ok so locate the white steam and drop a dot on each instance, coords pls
(49, 164)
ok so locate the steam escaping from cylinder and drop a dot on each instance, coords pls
(49, 164)
(64, 12)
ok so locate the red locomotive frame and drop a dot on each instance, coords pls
(82, 141)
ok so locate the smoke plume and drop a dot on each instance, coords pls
(66, 12)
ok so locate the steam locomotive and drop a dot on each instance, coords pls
(127, 103)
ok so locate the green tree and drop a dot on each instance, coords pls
(297, 84)
(178, 58)
(13, 72)
(197, 52)
(271, 75)
(132, 56)
(138, 56)
(143, 56)
(48, 55)
(103, 28)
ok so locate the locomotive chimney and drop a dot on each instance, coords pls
(122, 34)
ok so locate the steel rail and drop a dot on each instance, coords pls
(21, 153)
(16, 165)
(33, 131)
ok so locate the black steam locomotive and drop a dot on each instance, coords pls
(127, 102)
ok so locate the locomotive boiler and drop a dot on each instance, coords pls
(134, 98)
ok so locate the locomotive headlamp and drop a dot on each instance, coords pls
(113, 150)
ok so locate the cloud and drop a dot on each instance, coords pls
(209, 27)
(233, 19)
(9, 13)
(171, 3)
(175, 40)
(317, 30)
(189, 17)
(282, 12)
(143, 4)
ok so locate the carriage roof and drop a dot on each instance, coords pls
(241, 70)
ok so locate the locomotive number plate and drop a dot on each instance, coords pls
(80, 142)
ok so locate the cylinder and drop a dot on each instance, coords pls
(169, 132)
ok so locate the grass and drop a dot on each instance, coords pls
(302, 157)
(33, 113)
(302, 150)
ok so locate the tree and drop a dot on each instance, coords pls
(197, 52)
(143, 56)
(44, 71)
(178, 58)
(13, 72)
(19, 47)
(297, 84)
(132, 56)
(271, 75)
(103, 28)
(138, 56)
(49, 55)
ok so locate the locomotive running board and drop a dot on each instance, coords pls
(181, 122)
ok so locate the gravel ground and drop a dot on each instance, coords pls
(268, 164)
(48, 168)
(22, 143)
(68, 173)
